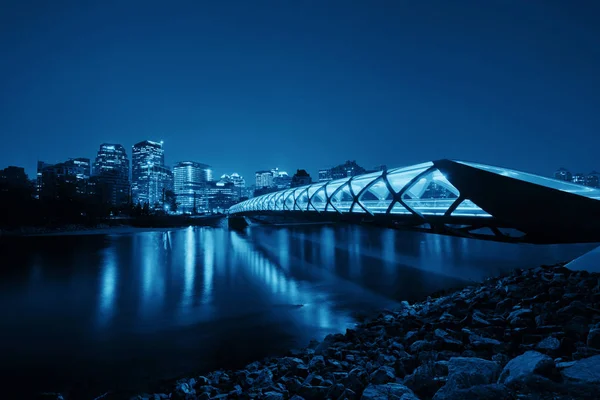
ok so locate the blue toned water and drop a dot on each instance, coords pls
(86, 314)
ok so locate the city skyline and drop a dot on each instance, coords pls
(244, 87)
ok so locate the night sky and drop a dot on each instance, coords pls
(253, 84)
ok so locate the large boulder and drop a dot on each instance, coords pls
(478, 370)
(492, 391)
(586, 370)
(273, 396)
(549, 344)
(317, 363)
(529, 363)
(387, 392)
(593, 339)
(383, 375)
(467, 372)
(426, 379)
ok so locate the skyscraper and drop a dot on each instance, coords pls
(63, 180)
(349, 168)
(190, 180)
(239, 184)
(324, 175)
(593, 179)
(264, 179)
(149, 176)
(579, 178)
(563, 175)
(111, 174)
(301, 178)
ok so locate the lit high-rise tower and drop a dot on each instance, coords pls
(111, 174)
(150, 178)
(190, 180)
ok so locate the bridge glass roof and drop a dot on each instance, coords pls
(418, 189)
(539, 180)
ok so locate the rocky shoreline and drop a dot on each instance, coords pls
(532, 335)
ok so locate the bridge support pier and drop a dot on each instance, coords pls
(237, 222)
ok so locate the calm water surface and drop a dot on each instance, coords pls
(87, 314)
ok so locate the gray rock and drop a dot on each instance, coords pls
(519, 314)
(446, 338)
(479, 392)
(578, 325)
(290, 362)
(550, 343)
(420, 345)
(479, 341)
(264, 378)
(593, 339)
(357, 379)
(425, 379)
(387, 392)
(383, 375)
(479, 318)
(316, 363)
(397, 346)
(529, 363)
(335, 391)
(584, 371)
(313, 392)
(184, 389)
(501, 359)
(273, 396)
(465, 372)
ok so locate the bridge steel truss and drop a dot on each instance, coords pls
(446, 197)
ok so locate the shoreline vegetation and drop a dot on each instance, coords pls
(533, 334)
(117, 226)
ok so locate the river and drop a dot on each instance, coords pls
(88, 314)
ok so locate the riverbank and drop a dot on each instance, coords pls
(532, 335)
(79, 230)
(117, 226)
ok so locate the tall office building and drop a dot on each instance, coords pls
(111, 174)
(190, 179)
(221, 195)
(593, 179)
(239, 184)
(282, 180)
(324, 174)
(150, 179)
(264, 179)
(13, 177)
(238, 180)
(349, 168)
(579, 179)
(563, 175)
(63, 180)
(301, 178)
(82, 167)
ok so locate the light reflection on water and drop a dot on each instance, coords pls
(153, 305)
(108, 287)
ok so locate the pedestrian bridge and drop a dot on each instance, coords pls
(447, 197)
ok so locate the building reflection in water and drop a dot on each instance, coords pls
(314, 300)
(283, 243)
(208, 249)
(153, 271)
(189, 272)
(327, 244)
(108, 286)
